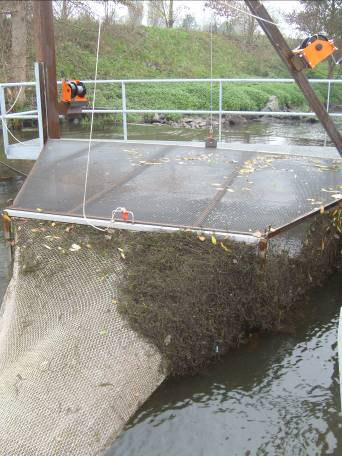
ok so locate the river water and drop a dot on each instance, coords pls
(278, 395)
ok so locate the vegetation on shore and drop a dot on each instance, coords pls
(155, 52)
(152, 52)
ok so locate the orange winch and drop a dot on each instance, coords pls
(74, 92)
(315, 49)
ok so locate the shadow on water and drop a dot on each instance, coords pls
(278, 395)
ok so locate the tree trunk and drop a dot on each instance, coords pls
(251, 25)
(19, 44)
(171, 18)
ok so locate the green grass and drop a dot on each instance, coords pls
(151, 52)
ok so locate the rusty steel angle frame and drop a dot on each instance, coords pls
(46, 54)
(278, 42)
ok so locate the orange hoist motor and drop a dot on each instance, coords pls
(74, 93)
(315, 49)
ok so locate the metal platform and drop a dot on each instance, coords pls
(176, 185)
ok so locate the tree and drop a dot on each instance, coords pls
(135, 12)
(161, 11)
(189, 22)
(320, 16)
(229, 9)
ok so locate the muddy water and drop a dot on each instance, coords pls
(276, 396)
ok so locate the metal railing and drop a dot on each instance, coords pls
(30, 114)
(124, 111)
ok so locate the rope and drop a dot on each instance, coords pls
(15, 101)
(249, 14)
(14, 137)
(91, 136)
(13, 169)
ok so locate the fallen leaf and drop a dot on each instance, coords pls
(47, 247)
(39, 209)
(321, 209)
(213, 240)
(167, 340)
(74, 248)
(225, 247)
(201, 238)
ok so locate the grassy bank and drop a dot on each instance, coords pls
(152, 52)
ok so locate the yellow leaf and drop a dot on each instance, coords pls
(122, 255)
(225, 247)
(213, 240)
(201, 238)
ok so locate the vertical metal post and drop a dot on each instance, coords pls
(328, 106)
(124, 114)
(39, 104)
(220, 113)
(45, 52)
(4, 121)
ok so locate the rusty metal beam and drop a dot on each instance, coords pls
(302, 218)
(295, 68)
(45, 54)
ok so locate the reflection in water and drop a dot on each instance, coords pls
(278, 397)
(258, 131)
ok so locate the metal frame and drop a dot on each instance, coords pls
(26, 149)
(234, 236)
(15, 151)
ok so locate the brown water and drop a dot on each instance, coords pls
(279, 395)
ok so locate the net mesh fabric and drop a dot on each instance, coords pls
(71, 370)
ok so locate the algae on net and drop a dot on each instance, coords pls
(195, 300)
(191, 296)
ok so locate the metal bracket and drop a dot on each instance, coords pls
(121, 214)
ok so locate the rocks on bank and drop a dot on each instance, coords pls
(228, 120)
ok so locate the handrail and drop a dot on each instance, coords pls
(180, 80)
(220, 112)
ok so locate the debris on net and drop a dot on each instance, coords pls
(196, 297)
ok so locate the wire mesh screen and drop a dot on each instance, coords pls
(185, 186)
(72, 372)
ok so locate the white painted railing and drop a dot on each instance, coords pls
(36, 114)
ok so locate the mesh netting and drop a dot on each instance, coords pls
(71, 371)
